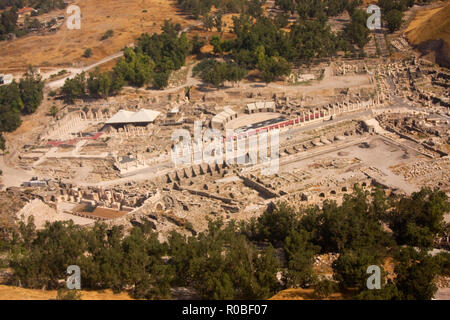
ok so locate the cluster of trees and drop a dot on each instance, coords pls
(306, 40)
(417, 220)
(107, 258)
(218, 263)
(356, 230)
(97, 85)
(271, 67)
(393, 11)
(319, 9)
(136, 68)
(165, 52)
(202, 8)
(356, 31)
(150, 61)
(312, 39)
(216, 73)
(223, 264)
(42, 6)
(8, 21)
(242, 260)
(8, 18)
(262, 44)
(19, 98)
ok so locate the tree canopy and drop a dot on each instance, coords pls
(239, 260)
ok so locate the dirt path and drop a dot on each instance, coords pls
(75, 71)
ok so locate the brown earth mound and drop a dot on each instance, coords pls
(429, 32)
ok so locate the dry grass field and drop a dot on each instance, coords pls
(128, 19)
(305, 294)
(16, 293)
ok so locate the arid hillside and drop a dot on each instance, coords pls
(429, 31)
(64, 48)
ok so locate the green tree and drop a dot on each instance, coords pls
(418, 219)
(74, 88)
(349, 226)
(325, 288)
(208, 22)
(99, 84)
(443, 261)
(107, 34)
(221, 264)
(300, 255)
(271, 67)
(45, 258)
(350, 269)
(235, 73)
(415, 272)
(387, 292)
(357, 30)
(197, 45)
(161, 80)
(54, 111)
(394, 20)
(219, 46)
(143, 266)
(2, 143)
(276, 225)
(31, 90)
(218, 23)
(135, 68)
(9, 119)
(87, 53)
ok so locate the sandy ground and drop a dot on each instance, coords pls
(43, 213)
(12, 177)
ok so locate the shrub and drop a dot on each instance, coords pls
(108, 34)
(87, 53)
